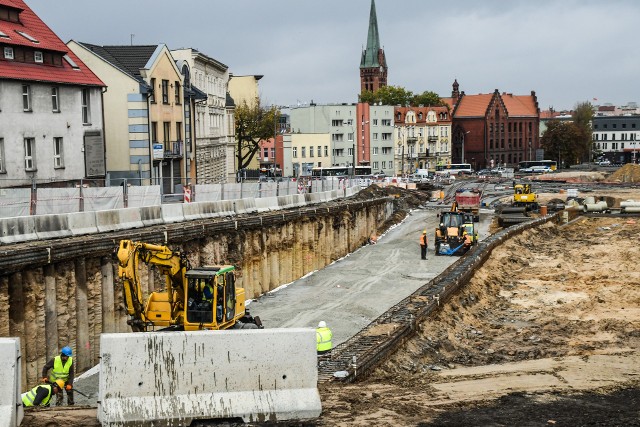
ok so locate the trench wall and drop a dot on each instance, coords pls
(67, 292)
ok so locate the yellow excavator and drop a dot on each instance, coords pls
(203, 298)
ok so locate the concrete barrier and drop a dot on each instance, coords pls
(118, 219)
(225, 208)
(244, 206)
(151, 215)
(172, 212)
(285, 202)
(82, 223)
(17, 229)
(173, 378)
(11, 411)
(52, 226)
(193, 211)
(265, 204)
(298, 200)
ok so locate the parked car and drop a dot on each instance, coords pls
(604, 162)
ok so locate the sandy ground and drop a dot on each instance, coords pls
(555, 312)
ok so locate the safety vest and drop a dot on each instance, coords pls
(30, 396)
(423, 240)
(323, 339)
(60, 371)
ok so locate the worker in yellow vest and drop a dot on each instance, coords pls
(323, 338)
(40, 395)
(61, 368)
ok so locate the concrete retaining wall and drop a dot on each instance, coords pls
(11, 411)
(258, 375)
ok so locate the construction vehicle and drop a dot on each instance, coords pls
(204, 298)
(455, 233)
(468, 200)
(523, 197)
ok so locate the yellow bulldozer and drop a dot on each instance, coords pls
(523, 197)
(203, 298)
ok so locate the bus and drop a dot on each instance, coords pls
(345, 171)
(538, 164)
(454, 169)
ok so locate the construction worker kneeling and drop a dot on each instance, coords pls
(41, 394)
(323, 338)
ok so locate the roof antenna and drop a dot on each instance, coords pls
(132, 38)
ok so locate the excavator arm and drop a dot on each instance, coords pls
(172, 265)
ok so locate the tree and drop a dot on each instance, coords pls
(561, 141)
(254, 123)
(395, 95)
(582, 116)
(428, 98)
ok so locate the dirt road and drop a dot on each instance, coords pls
(553, 318)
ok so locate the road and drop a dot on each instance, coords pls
(353, 291)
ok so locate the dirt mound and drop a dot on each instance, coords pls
(627, 173)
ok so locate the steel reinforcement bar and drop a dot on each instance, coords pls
(357, 357)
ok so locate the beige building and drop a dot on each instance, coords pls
(144, 115)
(308, 151)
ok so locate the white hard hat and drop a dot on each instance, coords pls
(322, 324)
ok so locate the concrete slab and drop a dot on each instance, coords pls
(82, 223)
(17, 229)
(52, 226)
(172, 378)
(118, 219)
(11, 411)
(151, 215)
(172, 212)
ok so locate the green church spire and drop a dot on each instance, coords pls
(370, 54)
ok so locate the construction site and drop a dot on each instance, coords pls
(532, 322)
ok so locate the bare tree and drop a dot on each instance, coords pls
(254, 123)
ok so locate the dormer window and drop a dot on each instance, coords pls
(3, 35)
(27, 36)
(37, 57)
(8, 53)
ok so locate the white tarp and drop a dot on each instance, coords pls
(147, 195)
(268, 189)
(102, 198)
(288, 188)
(232, 191)
(57, 200)
(208, 192)
(14, 202)
(250, 190)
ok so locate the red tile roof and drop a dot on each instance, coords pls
(32, 25)
(473, 105)
(519, 105)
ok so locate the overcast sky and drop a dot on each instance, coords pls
(567, 51)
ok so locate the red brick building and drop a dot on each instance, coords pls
(494, 129)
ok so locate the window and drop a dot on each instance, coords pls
(37, 57)
(265, 153)
(55, 100)
(152, 95)
(58, 158)
(154, 131)
(375, 136)
(8, 53)
(386, 122)
(375, 122)
(178, 131)
(326, 151)
(2, 169)
(311, 151)
(304, 152)
(177, 92)
(336, 123)
(375, 165)
(350, 136)
(30, 154)
(375, 151)
(319, 151)
(166, 137)
(337, 137)
(295, 152)
(26, 98)
(86, 107)
(273, 153)
(165, 91)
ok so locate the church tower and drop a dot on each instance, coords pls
(373, 64)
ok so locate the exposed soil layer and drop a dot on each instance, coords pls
(552, 320)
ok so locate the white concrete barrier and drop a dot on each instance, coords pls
(244, 206)
(11, 411)
(225, 208)
(118, 219)
(193, 210)
(173, 378)
(265, 204)
(172, 212)
(82, 223)
(17, 229)
(151, 215)
(52, 226)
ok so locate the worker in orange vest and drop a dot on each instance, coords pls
(423, 244)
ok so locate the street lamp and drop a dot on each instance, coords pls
(463, 145)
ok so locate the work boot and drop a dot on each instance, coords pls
(59, 399)
(70, 401)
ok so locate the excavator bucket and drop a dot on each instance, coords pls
(173, 378)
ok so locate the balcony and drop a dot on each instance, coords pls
(173, 149)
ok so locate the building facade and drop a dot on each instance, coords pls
(495, 129)
(616, 138)
(213, 140)
(422, 138)
(144, 113)
(51, 128)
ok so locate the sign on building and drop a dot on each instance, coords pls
(94, 161)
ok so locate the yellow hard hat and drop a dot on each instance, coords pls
(60, 384)
(424, 232)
